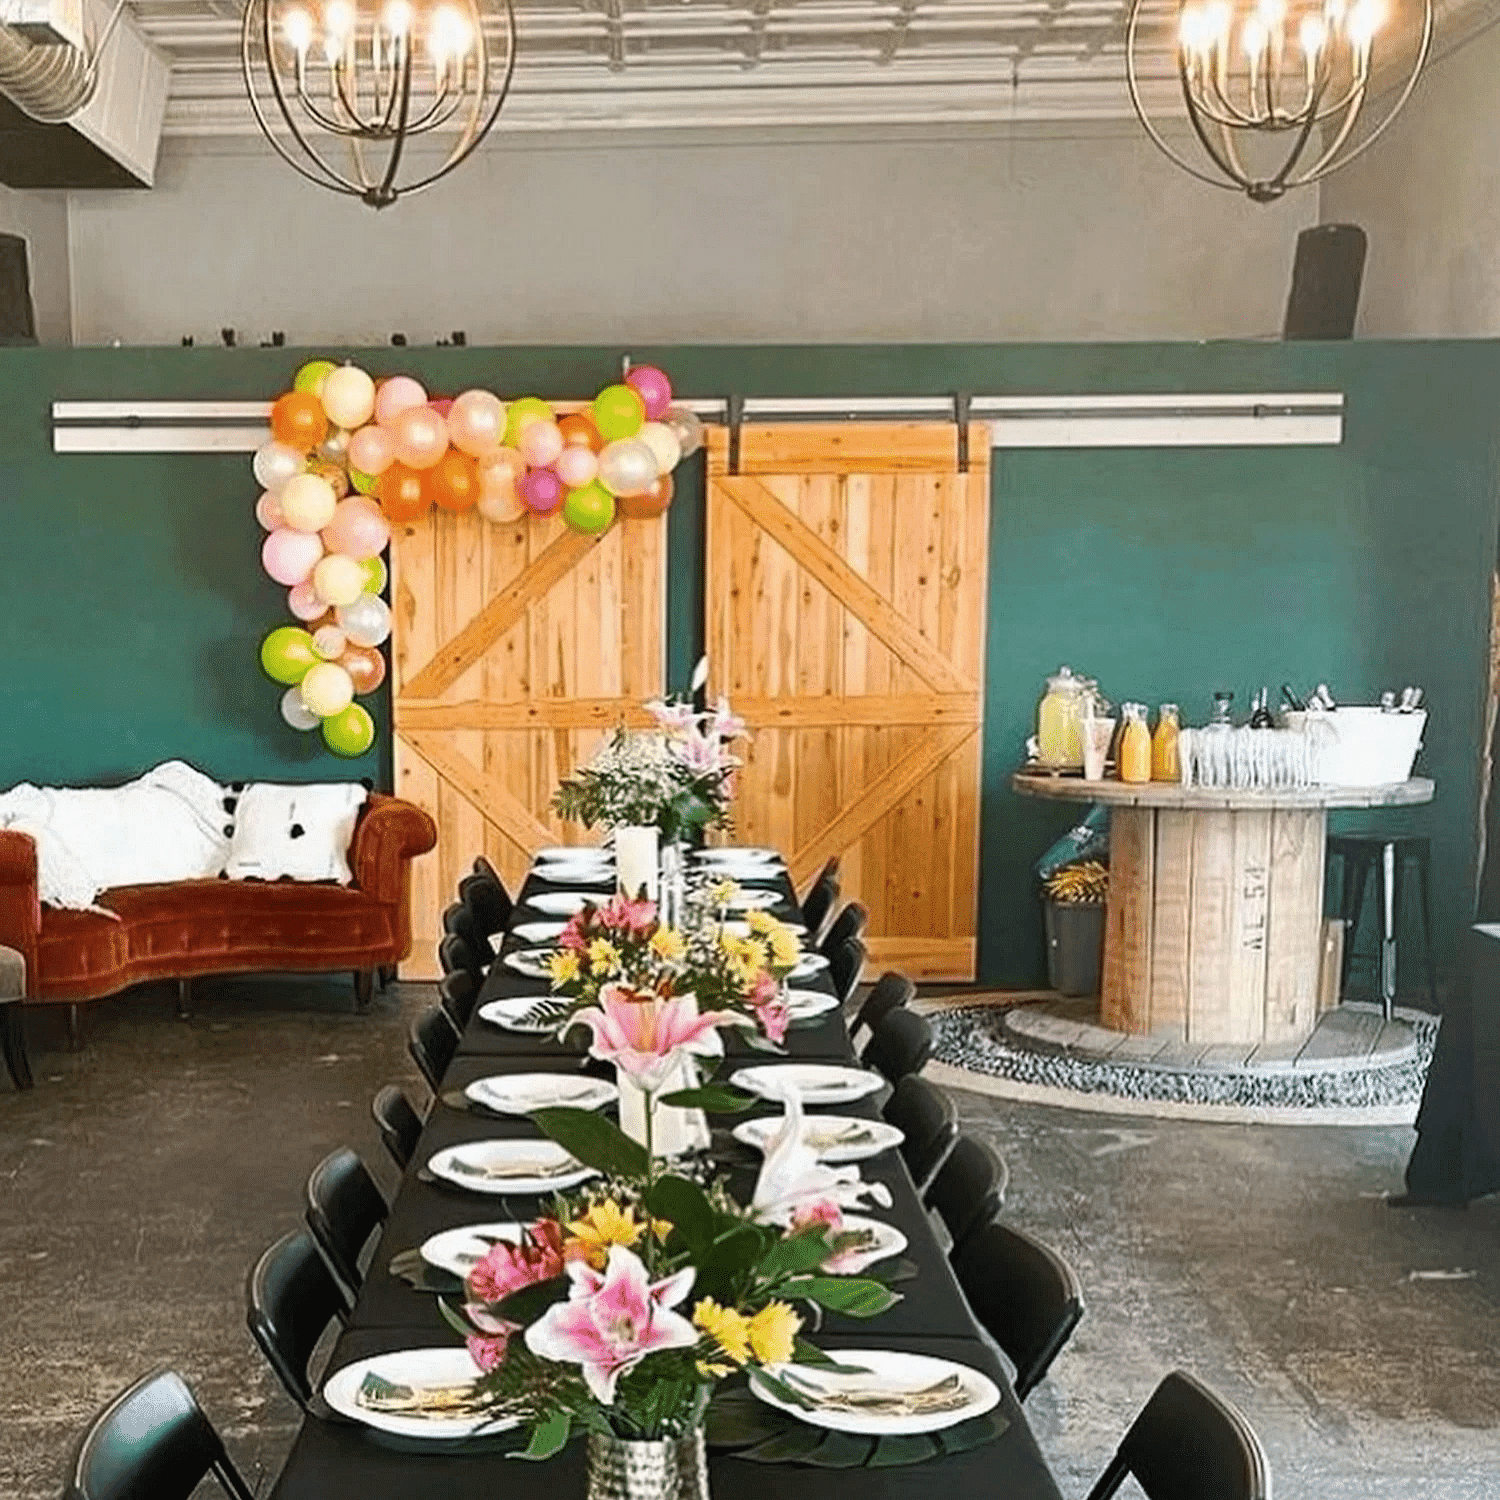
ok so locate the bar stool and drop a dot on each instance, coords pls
(1390, 859)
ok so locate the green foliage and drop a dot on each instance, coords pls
(715, 1098)
(549, 1436)
(595, 1141)
(854, 1296)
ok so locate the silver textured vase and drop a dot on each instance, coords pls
(661, 1469)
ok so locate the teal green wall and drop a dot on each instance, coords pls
(133, 602)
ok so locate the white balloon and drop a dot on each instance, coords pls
(500, 509)
(683, 421)
(275, 463)
(338, 579)
(329, 642)
(327, 689)
(348, 397)
(367, 622)
(663, 443)
(307, 502)
(627, 467)
(296, 712)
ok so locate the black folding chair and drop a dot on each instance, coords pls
(151, 1442)
(432, 1043)
(969, 1189)
(929, 1119)
(1189, 1444)
(820, 900)
(902, 1044)
(399, 1124)
(344, 1208)
(290, 1300)
(458, 992)
(888, 993)
(850, 923)
(845, 964)
(458, 955)
(1023, 1293)
(459, 921)
(488, 900)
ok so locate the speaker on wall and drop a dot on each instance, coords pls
(17, 320)
(1326, 277)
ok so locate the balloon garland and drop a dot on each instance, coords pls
(348, 458)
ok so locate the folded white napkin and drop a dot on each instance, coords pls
(792, 1178)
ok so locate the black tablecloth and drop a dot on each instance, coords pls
(332, 1458)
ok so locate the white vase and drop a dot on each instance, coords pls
(674, 1132)
(636, 865)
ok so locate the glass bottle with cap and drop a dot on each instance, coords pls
(1134, 753)
(1166, 760)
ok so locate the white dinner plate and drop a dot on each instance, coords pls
(881, 1241)
(558, 903)
(808, 965)
(599, 879)
(736, 927)
(514, 1166)
(836, 1138)
(741, 853)
(532, 962)
(418, 1369)
(458, 1251)
(817, 1083)
(559, 853)
(534, 933)
(803, 1004)
(883, 1372)
(516, 1014)
(520, 1093)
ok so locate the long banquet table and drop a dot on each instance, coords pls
(334, 1458)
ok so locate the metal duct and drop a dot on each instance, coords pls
(52, 82)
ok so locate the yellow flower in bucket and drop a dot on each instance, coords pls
(773, 1333)
(728, 1328)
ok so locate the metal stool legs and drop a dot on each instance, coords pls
(1392, 860)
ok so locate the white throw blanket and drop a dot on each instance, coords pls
(168, 825)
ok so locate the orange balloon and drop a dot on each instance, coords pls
(578, 428)
(298, 420)
(365, 666)
(452, 483)
(401, 494)
(650, 503)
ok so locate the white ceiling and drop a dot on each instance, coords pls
(700, 64)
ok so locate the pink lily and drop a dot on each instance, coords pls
(488, 1350)
(700, 752)
(611, 1322)
(637, 916)
(506, 1268)
(674, 718)
(725, 724)
(770, 1008)
(644, 1035)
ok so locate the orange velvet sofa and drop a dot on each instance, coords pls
(194, 927)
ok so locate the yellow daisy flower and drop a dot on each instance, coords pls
(605, 1224)
(773, 1332)
(726, 1327)
(669, 944)
(563, 966)
(761, 921)
(724, 892)
(604, 957)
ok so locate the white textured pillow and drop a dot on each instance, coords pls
(294, 832)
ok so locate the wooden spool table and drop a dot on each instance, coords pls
(1213, 931)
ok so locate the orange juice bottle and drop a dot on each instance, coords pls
(1134, 753)
(1166, 765)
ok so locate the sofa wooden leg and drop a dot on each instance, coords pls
(387, 973)
(184, 999)
(75, 1038)
(364, 989)
(14, 1039)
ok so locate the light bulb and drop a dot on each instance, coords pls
(1253, 36)
(297, 28)
(449, 33)
(1191, 32)
(1217, 19)
(338, 21)
(1313, 33)
(1365, 19)
(1272, 13)
(396, 17)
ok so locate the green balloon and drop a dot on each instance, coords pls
(350, 732)
(287, 654)
(619, 412)
(364, 483)
(589, 509)
(375, 574)
(522, 413)
(312, 375)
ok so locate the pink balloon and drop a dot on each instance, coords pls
(476, 423)
(268, 511)
(372, 450)
(653, 387)
(398, 394)
(576, 465)
(302, 599)
(541, 491)
(442, 408)
(290, 556)
(540, 443)
(358, 529)
(421, 437)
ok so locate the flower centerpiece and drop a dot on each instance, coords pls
(625, 1306)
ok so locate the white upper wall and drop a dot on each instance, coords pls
(1428, 197)
(41, 219)
(979, 236)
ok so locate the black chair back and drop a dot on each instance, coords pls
(1023, 1293)
(459, 921)
(483, 868)
(1189, 1444)
(969, 1189)
(457, 955)
(820, 900)
(489, 902)
(399, 1124)
(902, 1044)
(432, 1043)
(344, 1208)
(850, 923)
(888, 993)
(929, 1118)
(151, 1442)
(458, 993)
(290, 1299)
(845, 964)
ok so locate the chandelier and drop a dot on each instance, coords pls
(1276, 90)
(356, 84)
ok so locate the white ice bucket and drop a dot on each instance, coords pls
(1360, 746)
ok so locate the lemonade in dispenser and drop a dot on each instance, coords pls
(1059, 721)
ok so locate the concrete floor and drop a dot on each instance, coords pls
(145, 1173)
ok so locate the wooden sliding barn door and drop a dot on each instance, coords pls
(845, 598)
(514, 649)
